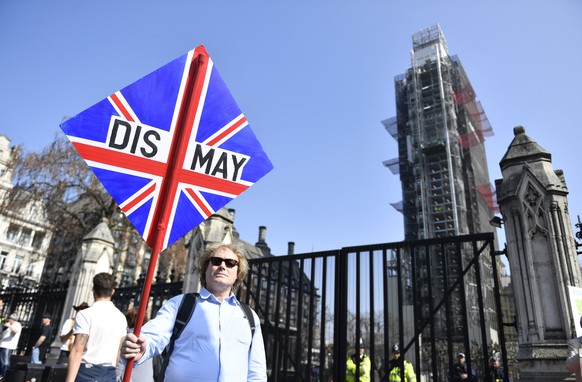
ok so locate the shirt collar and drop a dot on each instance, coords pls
(206, 295)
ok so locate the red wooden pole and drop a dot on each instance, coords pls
(145, 295)
(178, 149)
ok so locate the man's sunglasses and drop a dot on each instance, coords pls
(230, 263)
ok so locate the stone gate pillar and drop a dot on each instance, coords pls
(95, 256)
(542, 255)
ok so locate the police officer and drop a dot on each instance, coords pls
(496, 372)
(396, 364)
(461, 372)
(360, 360)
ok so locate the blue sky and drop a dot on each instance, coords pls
(315, 79)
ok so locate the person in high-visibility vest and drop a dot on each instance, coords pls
(398, 362)
(359, 361)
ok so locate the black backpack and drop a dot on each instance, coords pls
(185, 311)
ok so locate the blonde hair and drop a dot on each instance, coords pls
(242, 268)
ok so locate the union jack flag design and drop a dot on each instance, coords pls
(171, 148)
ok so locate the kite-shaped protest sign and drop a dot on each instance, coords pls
(172, 148)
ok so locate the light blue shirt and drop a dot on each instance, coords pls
(215, 344)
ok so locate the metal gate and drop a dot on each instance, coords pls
(434, 298)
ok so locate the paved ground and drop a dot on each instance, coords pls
(24, 371)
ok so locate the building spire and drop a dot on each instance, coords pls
(523, 149)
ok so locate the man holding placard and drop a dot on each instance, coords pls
(216, 343)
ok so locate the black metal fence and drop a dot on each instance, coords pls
(433, 297)
(31, 303)
(127, 297)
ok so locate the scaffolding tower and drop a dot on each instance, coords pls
(440, 128)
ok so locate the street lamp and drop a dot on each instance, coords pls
(579, 236)
(496, 222)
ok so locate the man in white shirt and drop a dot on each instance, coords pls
(67, 336)
(99, 331)
(9, 342)
(217, 343)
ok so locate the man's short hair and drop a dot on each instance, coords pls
(103, 284)
(242, 268)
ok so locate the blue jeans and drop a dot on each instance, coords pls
(95, 373)
(35, 358)
(4, 360)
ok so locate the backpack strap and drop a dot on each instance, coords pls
(249, 315)
(184, 314)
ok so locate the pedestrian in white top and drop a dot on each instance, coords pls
(9, 342)
(98, 332)
(67, 337)
(217, 343)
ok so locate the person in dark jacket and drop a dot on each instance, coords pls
(43, 342)
(496, 372)
(460, 371)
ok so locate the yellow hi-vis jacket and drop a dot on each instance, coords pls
(409, 375)
(365, 366)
